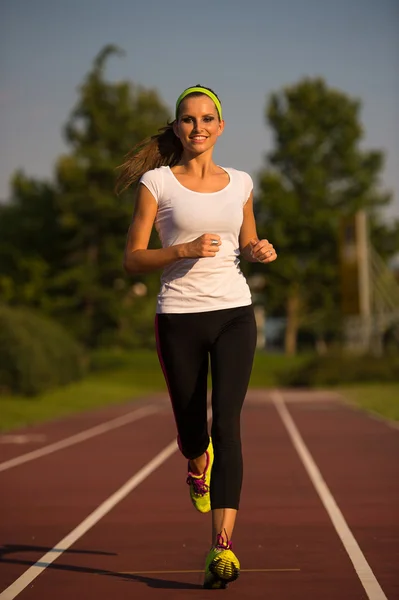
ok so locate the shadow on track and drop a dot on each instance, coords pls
(15, 548)
(153, 582)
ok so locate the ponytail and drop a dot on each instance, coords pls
(162, 149)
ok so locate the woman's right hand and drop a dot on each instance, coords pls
(207, 245)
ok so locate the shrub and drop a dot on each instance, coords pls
(339, 369)
(109, 359)
(36, 353)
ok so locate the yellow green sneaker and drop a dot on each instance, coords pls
(200, 484)
(221, 566)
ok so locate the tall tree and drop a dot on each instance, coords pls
(61, 242)
(316, 172)
(31, 241)
(108, 119)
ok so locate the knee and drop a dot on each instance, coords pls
(192, 449)
(226, 433)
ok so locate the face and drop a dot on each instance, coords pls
(198, 125)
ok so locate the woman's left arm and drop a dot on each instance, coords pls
(251, 247)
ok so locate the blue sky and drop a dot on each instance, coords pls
(243, 50)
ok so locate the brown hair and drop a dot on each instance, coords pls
(161, 149)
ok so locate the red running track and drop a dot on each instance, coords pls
(152, 544)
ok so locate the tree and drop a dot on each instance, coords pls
(108, 119)
(30, 242)
(316, 173)
(385, 237)
(64, 240)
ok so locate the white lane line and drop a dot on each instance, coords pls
(87, 434)
(34, 571)
(362, 568)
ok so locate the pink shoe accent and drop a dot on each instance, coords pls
(221, 544)
(198, 481)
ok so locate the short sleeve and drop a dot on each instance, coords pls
(153, 182)
(248, 186)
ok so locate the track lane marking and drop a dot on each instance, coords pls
(360, 564)
(47, 559)
(181, 571)
(87, 434)
(35, 570)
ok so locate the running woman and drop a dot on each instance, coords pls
(204, 216)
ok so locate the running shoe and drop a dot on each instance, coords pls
(200, 484)
(221, 566)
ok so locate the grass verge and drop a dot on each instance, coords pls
(379, 398)
(122, 377)
(117, 377)
(138, 376)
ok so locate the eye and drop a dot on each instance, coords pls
(209, 119)
(187, 119)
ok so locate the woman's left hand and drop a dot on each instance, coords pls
(263, 251)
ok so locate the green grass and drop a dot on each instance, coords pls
(121, 377)
(268, 368)
(378, 398)
(139, 375)
(117, 377)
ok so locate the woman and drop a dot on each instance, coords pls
(204, 216)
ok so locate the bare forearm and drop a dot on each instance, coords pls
(143, 261)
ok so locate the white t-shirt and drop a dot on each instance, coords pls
(200, 284)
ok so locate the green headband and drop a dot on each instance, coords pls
(208, 93)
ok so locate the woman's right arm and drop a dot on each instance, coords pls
(139, 259)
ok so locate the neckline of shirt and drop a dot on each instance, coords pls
(201, 193)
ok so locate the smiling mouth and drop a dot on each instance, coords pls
(198, 138)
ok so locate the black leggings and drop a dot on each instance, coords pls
(184, 342)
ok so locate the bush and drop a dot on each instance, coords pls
(339, 369)
(35, 353)
(109, 359)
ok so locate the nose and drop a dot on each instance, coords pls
(196, 126)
